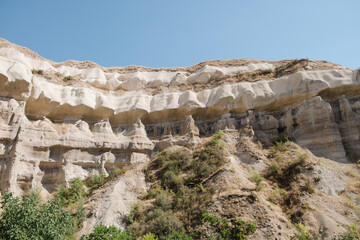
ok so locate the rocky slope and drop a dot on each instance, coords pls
(59, 121)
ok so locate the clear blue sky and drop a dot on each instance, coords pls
(172, 33)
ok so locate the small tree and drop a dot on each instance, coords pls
(28, 218)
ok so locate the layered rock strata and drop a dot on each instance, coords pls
(64, 120)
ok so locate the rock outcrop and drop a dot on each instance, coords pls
(59, 121)
(65, 120)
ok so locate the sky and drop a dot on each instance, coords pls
(180, 33)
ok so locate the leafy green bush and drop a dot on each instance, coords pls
(73, 194)
(303, 233)
(235, 230)
(149, 236)
(28, 218)
(101, 232)
(178, 235)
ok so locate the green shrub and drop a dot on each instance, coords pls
(281, 146)
(257, 179)
(303, 157)
(80, 216)
(37, 71)
(234, 230)
(73, 194)
(353, 233)
(28, 218)
(162, 223)
(148, 236)
(219, 134)
(68, 78)
(102, 232)
(171, 180)
(178, 235)
(303, 233)
(163, 200)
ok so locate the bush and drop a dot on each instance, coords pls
(37, 71)
(353, 233)
(68, 78)
(163, 200)
(73, 194)
(303, 233)
(148, 236)
(237, 230)
(28, 218)
(162, 223)
(178, 235)
(257, 179)
(286, 173)
(102, 232)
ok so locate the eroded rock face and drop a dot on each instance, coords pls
(52, 130)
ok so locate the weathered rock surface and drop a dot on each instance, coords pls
(59, 121)
(49, 127)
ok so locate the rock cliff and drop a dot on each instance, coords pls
(73, 119)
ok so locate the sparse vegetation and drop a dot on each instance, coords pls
(277, 195)
(68, 78)
(72, 199)
(303, 233)
(279, 146)
(262, 72)
(290, 67)
(290, 179)
(308, 186)
(284, 173)
(234, 230)
(71, 195)
(95, 181)
(316, 179)
(179, 191)
(257, 179)
(102, 232)
(37, 71)
(353, 233)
